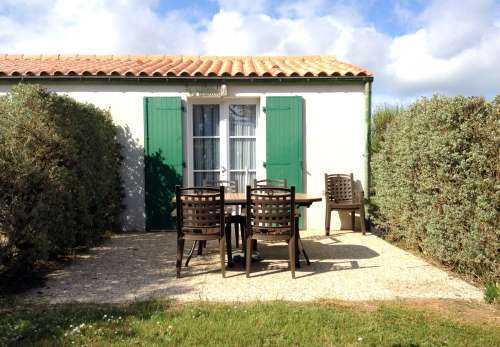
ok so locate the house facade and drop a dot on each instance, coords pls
(185, 120)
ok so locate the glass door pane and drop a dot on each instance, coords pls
(242, 163)
(206, 143)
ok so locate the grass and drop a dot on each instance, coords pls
(491, 292)
(271, 324)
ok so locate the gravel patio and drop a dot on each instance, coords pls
(344, 266)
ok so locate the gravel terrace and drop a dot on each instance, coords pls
(345, 266)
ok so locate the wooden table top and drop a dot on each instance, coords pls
(303, 199)
(300, 198)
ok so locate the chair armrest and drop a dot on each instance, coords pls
(358, 195)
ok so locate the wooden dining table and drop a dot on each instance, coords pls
(301, 199)
(240, 199)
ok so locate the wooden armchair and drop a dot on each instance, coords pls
(271, 182)
(270, 217)
(341, 196)
(229, 186)
(200, 217)
(235, 216)
(283, 183)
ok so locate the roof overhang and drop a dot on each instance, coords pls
(181, 79)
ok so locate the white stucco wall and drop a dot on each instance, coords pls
(334, 132)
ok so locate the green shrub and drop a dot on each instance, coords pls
(436, 182)
(491, 292)
(382, 117)
(59, 175)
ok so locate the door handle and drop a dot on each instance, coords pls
(264, 164)
(223, 169)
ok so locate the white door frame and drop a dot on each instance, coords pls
(223, 132)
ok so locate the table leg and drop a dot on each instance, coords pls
(296, 239)
(229, 246)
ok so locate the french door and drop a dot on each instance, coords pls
(224, 142)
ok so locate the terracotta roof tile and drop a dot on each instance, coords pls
(176, 66)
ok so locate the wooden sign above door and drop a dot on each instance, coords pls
(219, 90)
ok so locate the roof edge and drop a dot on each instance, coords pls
(185, 78)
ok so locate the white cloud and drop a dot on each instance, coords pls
(243, 6)
(233, 33)
(449, 54)
(97, 27)
(454, 26)
(451, 47)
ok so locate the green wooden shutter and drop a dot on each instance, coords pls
(284, 147)
(163, 159)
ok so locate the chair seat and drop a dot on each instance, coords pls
(344, 205)
(271, 230)
(283, 235)
(229, 215)
(235, 218)
(207, 234)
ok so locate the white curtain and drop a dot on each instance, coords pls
(206, 120)
(206, 154)
(242, 122)
(206, 150)
(243, 179)
(242, 154)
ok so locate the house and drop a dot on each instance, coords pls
(183, 119)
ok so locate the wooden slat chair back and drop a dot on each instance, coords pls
(341, 196)
(271, 182)
(339, 187)
(275, 182)
(271, 217)
(234, 215)
(230, 186)
(200, 217)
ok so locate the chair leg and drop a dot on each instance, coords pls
(237, 234)
(362, 217)
(200, 246)
(191, 252)
(229, 246)
(353, 220)
(328, 216)
(248, 256)
(291, 254)
(242, 230)
(222, 252)
(180, 252)
(306, 257)
(296, 245)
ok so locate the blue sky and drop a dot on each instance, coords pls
(414, 47)
(383, 14)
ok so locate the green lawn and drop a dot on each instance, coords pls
(273, 324)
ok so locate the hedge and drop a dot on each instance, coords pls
(59, 175)
(436, 182)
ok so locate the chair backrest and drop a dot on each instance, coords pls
(270, 210)
(230, 186)
(200, 210)
(339, 187)
(271, 182)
